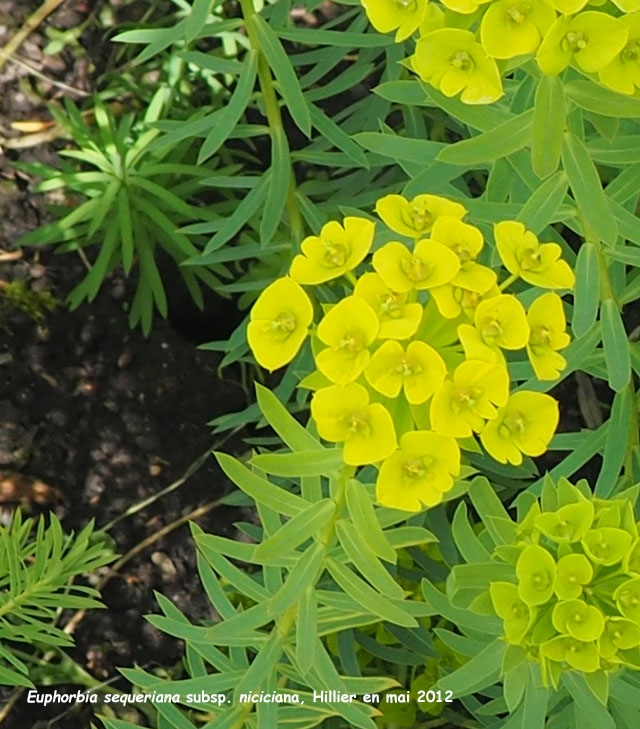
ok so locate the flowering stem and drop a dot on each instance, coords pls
(274, 117)
(508, 281)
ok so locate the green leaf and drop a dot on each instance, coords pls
(470, 547)
(289, 85)
(366, 523)
(279, 188)
(615, 344)
(593, 97)
(549, 119)
(587, 290)
(490, 509)
(514, 684)
(196, 19)
(293, 434)
(399, 148)
(587, 189)
(365, 561)
(479, 672)
(233, 110)
(372, 601)
(306, 629)
(591, 710)
(298, 529)
(502, 141)
(623, 150)
(340, 38)
(615, 447)
(263, 665)
(123, 211)
(260, 489)
(406, 93)
(334, 134)
(302, 576)
(302, 463)
(541, 208)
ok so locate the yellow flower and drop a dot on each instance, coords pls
(432, 19)
(591, 39)
(388, 15)
(419, 472)
(514, 27)
(343, 414)
(476, 348)
(278, 323)
(569, 7)
(431, 264)
(335, 251)
(461, 405)
(502, 322)
(547, 324)
(466, 7)
(347, 330)
(415, 218)
(538, 264)
(398, 319)
(419, 371)
(525, 424)
(451, 60)
(623, 73)
(452, 301)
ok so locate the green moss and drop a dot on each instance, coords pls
(17, 296)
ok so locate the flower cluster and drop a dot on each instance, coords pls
(465, 47)
(574, 603)
(411, 357)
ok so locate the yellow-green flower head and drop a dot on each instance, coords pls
(335, 251)
(574, 571)
(403, 16)
(415, 218)
(461, 405)
(627, 597)
(536, 263)
(536, 572)
(578, 654)
(343, 414)
(627, 6)
(623, 73)
(432, 19)
(547, 325)
(476, 348)
(431, 264)
(606, 545)
(347, 329)
(632, 560)
(418, 371)
(452, 300)
(577, 619)
(525, 424)
(619, 634)
(502, 322)
(512, 28)
(568, 524)
(398, 318)
(515, 613)
(466, 7)
(591, 39)
(453, 61)
(278, 323)
(419, 472)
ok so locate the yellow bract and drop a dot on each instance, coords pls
(398, 318)
(431, 264)
(453, 61)
(461, 405)
(525, 424)
(514, 27)
(502, 322)
(278, 323)
(547, 325)
(418, 371)
(415, 218)
(335, 251)
(403, 16)
(419, 472)
(537, 263)
(343, 414)
(348, 329)
(623, 73)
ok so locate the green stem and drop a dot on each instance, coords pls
(274, 117)
(508, 281)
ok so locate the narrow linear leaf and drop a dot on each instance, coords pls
(587, 290)
(541, 208)
(196, 19)
(549, 117)
(502, 141)
(366, 523)
(279, 188)
(615, 447)
(592, 97)
(302, 463)
(306, 629)
(303, 575)
(281, 66)
(615, 344)
(587, 189)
